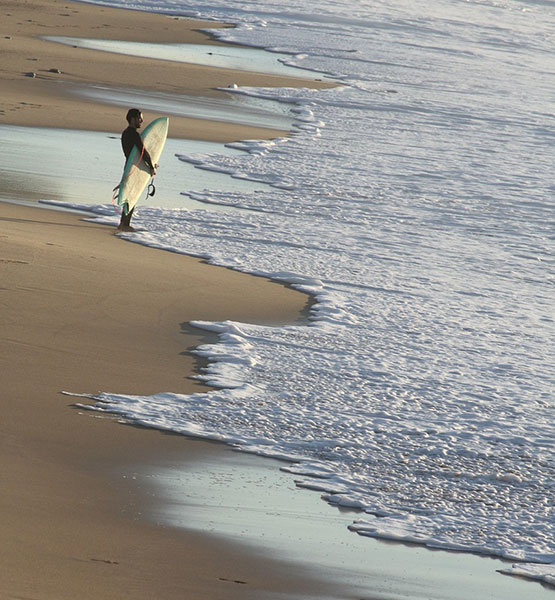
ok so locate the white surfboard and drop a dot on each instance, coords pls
(136, 174)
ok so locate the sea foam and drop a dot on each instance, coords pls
(414, 203)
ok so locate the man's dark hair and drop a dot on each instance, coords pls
(131, 113)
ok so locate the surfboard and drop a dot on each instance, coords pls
(136, 175)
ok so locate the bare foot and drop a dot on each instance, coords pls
(126, 228)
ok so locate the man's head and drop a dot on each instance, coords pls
(134, 117)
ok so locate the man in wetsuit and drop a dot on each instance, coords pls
(130, 137)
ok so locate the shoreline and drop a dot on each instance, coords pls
(72, 507)
(73, 517)
(48, 99)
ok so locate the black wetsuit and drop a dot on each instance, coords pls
(130, 137)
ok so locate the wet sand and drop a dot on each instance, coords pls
(73, 521)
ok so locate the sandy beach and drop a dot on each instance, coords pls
(72, 522)
(84, 311)
(39, 78)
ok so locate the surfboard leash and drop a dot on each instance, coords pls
(115, 195)
(150, 190)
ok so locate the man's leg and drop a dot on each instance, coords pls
(126, 219)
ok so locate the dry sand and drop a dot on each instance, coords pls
(84, 311)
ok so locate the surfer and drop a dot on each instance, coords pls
(130, 137)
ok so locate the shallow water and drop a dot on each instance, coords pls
(253, 502)
(243, 111)
(82, 167)
(242, 59)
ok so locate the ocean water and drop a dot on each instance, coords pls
(415, 201)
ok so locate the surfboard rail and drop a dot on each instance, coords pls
(136, 174)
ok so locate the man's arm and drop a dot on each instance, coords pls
(138, 141)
